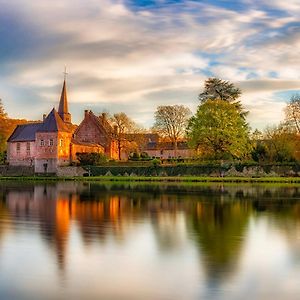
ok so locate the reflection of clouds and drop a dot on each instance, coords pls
(265, 268)
(152, 241)
(119, 53)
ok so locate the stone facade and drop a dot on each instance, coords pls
(21, 153)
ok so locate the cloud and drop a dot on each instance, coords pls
(134, 58)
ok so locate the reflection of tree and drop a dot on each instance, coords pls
(219, 228)
(168, 221)
(4, 218)
(217, 215)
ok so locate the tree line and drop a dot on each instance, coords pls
(217, 131)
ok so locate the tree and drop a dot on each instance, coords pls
(3, 127)
(122, 126)
(171, 122)
(218, 89)
(219, 131)
(282, 143)
(292, 112)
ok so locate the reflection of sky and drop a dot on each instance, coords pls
(114, 250)
(132, 55)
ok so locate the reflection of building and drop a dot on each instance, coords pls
(55, 141)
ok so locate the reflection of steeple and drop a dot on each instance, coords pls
(62, 227)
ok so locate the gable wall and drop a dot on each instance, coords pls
(22, 157)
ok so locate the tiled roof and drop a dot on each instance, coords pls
(53, 123)
(24, 133)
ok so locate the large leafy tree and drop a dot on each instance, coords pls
(292, 113)
(218, 130)
(171, 122)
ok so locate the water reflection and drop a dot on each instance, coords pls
(150, 241)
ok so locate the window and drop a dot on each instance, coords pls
(42, 143)
(18, 148)
(61, 142)
(28, 148)
(51, 142)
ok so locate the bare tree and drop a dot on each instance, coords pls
(292, 112)
(122, 125)
(171, 122)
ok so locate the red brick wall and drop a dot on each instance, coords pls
(89, 132)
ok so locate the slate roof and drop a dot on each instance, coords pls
(24, 133)
(53, 123)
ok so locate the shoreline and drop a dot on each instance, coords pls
(183, 179)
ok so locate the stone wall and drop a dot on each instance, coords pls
(70, 171)
(45, 166)
(6, 170)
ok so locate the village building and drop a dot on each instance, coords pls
(156, 147)
(55, 141)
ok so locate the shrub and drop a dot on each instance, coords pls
(94, 159)
(134, 156)
(156, 162)
(3, 157)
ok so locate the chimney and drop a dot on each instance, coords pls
(44, 117)
(86, 112)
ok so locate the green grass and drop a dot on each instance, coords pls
(159, 179)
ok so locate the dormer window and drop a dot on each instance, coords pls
(42, 143)
(51, 142)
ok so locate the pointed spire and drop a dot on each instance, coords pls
(63, 103)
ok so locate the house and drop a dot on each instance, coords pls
(155, 146)
(52, 143)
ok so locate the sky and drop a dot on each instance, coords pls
(131, 56)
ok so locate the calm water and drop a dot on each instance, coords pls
(93, 241)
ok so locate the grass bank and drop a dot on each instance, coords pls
(294, 180)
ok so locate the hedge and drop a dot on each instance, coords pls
(190, 170)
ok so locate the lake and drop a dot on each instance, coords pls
(76, 240)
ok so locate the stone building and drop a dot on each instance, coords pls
(55, 141)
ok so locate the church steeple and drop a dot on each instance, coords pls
(63, 104)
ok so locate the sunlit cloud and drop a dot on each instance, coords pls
(123, 55)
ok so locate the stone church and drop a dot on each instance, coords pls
(55, 141)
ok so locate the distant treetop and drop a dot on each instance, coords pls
(218, 89)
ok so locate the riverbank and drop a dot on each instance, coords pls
(178, 179)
